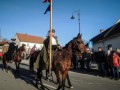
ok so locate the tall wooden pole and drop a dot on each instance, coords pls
(50, 54)
(0, 36)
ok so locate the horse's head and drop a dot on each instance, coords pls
(23, 50)
(78, 46)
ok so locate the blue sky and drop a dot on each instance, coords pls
(27, 16)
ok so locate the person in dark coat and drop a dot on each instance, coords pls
(101, 60)
(87, 58)
(11, 49)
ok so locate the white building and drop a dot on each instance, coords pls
(107, 38)
(3, 45)
(29, 41)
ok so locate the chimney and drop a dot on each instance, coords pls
(101, 31)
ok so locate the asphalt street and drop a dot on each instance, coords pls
(81, 80)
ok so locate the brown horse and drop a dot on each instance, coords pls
(18, 57)
(7, 56)
(62, 61)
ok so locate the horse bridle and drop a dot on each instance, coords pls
(77, 44)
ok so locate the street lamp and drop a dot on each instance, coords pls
(72, 17)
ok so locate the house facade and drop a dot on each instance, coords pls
(3, 48)
(29, 41)
(107, 38)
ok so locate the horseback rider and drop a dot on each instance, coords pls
(34, 48)
(54, 41)
(11, 49)
(43, 57)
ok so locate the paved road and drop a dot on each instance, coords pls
(81, 80)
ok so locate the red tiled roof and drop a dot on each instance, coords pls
(29, 38)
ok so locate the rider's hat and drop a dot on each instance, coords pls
(53, 31)
(13, 39)
(23, 44)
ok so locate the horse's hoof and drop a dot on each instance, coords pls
(6, 71)
(71, 87)
(42, 88)
(56, 82)
(36, 85)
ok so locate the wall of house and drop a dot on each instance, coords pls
(115, 41)
(17, 41)
(0, 48)
(28, 44)
(4, 45)
(99, 44)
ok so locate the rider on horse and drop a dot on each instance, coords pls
(12, 48)
(44, 54)
(54, 42)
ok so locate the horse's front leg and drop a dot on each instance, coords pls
(5, 67)
(39, 77)
(18, 66)
(58, 80)
(47, 74)
(69, 82)
(64, 75)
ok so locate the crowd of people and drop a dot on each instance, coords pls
(107, 62)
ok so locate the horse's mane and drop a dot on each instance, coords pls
(75, 38)
(67, 44)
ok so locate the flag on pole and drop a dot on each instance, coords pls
(48, 9)
(46, 1)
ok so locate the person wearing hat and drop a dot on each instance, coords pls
(54, 41)
(101, 61)
(45, 51)
(11, 49)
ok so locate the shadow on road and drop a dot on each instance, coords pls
(24, 74)
(93, 72)
(1, 66)
(27, 76)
